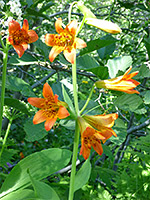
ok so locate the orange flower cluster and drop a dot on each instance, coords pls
(94, 129)
(50, 108)
(19, 37)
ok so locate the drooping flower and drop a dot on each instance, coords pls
(123, 83)
(65, 41)
(94, 129)
(50, 108)
(19, 37)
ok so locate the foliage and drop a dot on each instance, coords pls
(33, 159)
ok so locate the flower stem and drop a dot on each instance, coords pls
(5, 57)
(74, 158)
(76, 137)
(88, 99)
(6, 135)
(70, 9)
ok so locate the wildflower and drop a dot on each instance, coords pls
(86, 82)
(50, 108)
(2, 3)
(123, 83)
(65, 41)
(19, 37)
(95, 129)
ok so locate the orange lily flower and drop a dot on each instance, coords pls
(50, 108)
(19, 37)
(65, 41)
(123, 83)
(95, 129)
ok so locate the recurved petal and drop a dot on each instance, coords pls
(19, 49)
(63, 112)
(49, 123)
(98, 147)
(32, 36)
(54, 52)
(98, 121)
(39, 117)
(72, 27)
(80, 43)
(25, 25)
(47, 91)
(37, 102)
(25, 46)
(58, 25)
(10, 39)
(85, 151)
(13, 26)
(49, 39)
(70, 56)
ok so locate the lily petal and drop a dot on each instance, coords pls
(13, 27)
(49, 39)
(58, 25)
(39, 117)
(49, 123)
(72, 27)
(54, 52)
(19, 49)
(25, 25)
(80, 43)
(63, 112)
(70, 56)
(37, 102)
(32, 36)
(47, 91)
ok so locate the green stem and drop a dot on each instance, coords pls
(5, 57)
(75, 88)
(74, 158)
(70, 9)
(88, 99)
(6, 135)
(76, 137)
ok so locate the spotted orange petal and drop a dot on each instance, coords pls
(37, 102)
(49, 39)
(39, 117)
(47, 91)
(32, 36)
(49, 123)
(13, 27)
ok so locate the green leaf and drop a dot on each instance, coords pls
(106, 51)
(85, 11)
(147, 97)
(33, 12)
(147, 45)
(41, 164)
(47, 6)
(144, 71)
(17, 84)
(92, 66)
(119, 63)
(82, 175)
(17, 104)
(7, 156)
(42, 48)
(68, 100)
(128, 102)
(26, 59)
(22, 194)
(97, 44)
(43, 191)
(34, 132)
